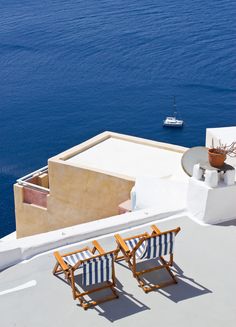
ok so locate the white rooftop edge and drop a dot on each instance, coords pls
(13, 251)
(130, 159)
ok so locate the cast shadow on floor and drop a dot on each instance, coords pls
(186, 288)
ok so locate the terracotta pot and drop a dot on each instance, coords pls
(216, 159)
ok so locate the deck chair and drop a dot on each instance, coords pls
(96, 269)
(147, 247)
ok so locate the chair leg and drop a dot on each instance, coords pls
(80, 295)
(117, 251)
(114, 292)
(114, 282)
(87, 304)
(147, 288)
(168, 268)
(72, 279)
(55, 269)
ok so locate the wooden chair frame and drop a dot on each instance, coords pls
(69, 271)
(130, 258)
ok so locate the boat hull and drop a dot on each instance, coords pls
(173, 125)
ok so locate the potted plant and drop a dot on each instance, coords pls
(217, 155)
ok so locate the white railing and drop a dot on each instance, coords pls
(23, 180)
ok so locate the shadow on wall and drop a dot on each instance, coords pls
(227, 223)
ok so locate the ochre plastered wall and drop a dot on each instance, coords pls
(76, 196)
(81, 195)
(30, 219)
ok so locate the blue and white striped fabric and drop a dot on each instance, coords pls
(98, 270)
(132, 243)
(74, 258)
(158, 246)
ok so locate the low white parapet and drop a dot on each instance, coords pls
(17, 250)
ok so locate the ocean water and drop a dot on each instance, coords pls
(72, 69)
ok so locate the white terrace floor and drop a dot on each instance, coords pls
(204, 296)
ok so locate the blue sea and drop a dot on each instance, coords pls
(71, 69)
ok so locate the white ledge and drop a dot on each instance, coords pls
(17, 250)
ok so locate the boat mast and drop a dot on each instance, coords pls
(174, 105)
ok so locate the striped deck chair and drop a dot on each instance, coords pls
(96, 269)
(146, 247)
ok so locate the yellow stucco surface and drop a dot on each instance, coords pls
(30, 219)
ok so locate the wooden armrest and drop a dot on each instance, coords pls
(60, 261)
(121, 242)
(77, 251)
(136, 236)
(158, 232)
(155, 229)
(137, 245)
(97, 247)
(177, 230)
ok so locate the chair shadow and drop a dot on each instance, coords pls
(62, 278)
(186, 288)
(126, 305)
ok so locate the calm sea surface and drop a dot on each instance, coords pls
(71, 69)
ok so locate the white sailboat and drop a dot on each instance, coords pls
(172, 121)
